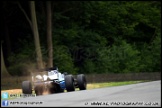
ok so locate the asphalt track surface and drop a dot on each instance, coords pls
(146, 94)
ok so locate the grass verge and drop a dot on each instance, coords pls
(110, 84)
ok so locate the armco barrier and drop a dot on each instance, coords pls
(112, 77)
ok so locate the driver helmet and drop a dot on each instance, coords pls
(38, 77)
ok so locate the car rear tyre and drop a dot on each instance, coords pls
(69, 83)
(82, 83)
(26, 87)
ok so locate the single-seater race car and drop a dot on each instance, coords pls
(53, 81)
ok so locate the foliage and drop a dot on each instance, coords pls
(90, 36)
(151, 55)
(119, 58)
(63, 60)
(23, 61)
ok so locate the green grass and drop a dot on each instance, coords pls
(109, 84)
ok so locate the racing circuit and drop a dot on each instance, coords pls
(141, 94)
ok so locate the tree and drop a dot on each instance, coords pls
(49, 35)
(36, 36)
(4, 71)
(7, 35)
(93, 33)
(34, 28)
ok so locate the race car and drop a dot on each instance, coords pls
(53, 81)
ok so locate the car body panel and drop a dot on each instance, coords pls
(51, 76)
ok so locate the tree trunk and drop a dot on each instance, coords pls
(49, 35)
(7, 37)
(36, 36)
(4, 72)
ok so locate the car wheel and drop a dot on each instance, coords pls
(26, 87)
(82, 83)
(69, 83)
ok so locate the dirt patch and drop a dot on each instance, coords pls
(46, 92)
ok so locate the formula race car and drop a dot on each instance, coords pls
(53, 81)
